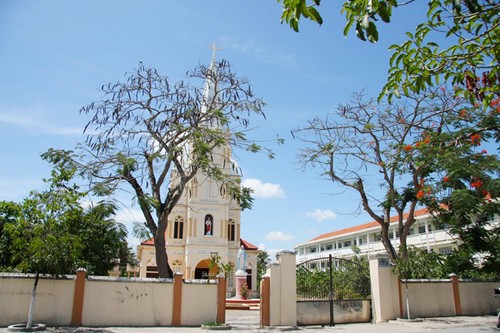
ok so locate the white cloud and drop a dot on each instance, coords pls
(264, 190)
(260, 52)
(274, 236)
(34, 123)
(322, 215)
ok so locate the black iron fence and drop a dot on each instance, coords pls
(333, 279)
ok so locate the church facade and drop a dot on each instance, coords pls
(205, 224)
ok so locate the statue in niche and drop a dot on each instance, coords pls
(208, 225)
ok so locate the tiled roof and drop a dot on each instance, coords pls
(150, 241)
(248, 245)
(368, 225)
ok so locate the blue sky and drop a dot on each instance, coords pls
(54, 56)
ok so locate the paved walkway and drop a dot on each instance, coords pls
(248, 321)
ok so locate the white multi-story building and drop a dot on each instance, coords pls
(366, 237)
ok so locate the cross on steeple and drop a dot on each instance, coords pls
(214, 49)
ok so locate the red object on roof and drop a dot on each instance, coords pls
(248, 245)
(419, 212)
(150, 241)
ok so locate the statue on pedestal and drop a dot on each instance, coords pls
(241, 261)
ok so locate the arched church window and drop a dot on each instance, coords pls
(223, 190)
(231, 230)
(209, 225)
(179, 227)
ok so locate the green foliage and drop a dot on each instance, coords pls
(217, 266)
(362, 14)
(457, 44)
(470, 61)
(421, 264)
(263, 261)
(9, 213)
(351, 280)
(50, 232)
(294, 9)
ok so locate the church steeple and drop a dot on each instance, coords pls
(214, 50)
(210, 91)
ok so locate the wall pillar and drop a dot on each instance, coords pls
(385, 290)
(221, 299)
(456, 294)
(77, 313)
(177, 301)
(265, 295)
(283, 299)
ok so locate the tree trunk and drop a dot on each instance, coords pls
(164, 270)
(29, 323)
(389, 248)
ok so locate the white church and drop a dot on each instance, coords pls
(206, 222)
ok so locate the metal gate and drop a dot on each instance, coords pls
(334, 281)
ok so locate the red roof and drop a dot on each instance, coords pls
(248, 245)
(150, 241)
(368, 225)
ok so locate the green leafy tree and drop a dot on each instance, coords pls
(421, 264)
(263, 261)
(463, 187)
(9, 213)
(457, 45)
(350, 279)
(155, 136)
(409, 149)
(373, 150)
(469, 31)
(50, 232)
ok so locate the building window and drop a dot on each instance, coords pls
(209, 225)
(411, 232)
(179, 228)
(312, 249)
(347, 243)
(421, 229)
(231, 231)
(360, 241)
(445, 250)
(152, 272)
(377, 237)
(329, 247)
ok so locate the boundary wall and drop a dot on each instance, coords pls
(80, 300)
(427, 298)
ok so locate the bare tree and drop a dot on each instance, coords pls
(373, 149)
(155, 136)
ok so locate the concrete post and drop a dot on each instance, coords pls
(221, 299)
(283, 295)
(385, 290)
(265, 296)
(77, 313)
(456, 294)
(177, 301)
